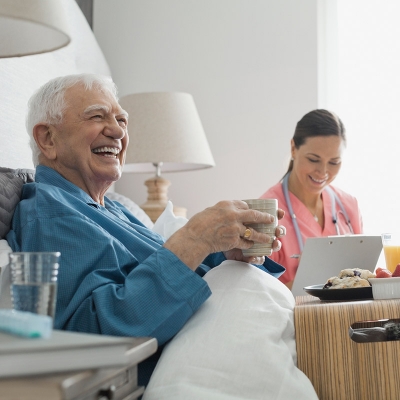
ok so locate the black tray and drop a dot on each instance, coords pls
(360, 293)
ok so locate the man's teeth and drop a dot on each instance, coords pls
(113, 150)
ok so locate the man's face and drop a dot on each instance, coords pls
(91, 140)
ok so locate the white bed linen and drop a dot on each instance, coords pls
(239, 345)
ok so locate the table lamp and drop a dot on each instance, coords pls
(165, 133)
(31, 27)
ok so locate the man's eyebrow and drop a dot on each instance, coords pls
(96, 107)
(102, 108)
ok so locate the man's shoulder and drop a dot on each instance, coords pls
(42, 191)
(47, 200)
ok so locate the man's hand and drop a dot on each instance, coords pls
(236, 254)
(221, 228)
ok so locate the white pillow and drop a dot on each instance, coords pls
(239, 345)
(132, 207)
(168, 223)
(5, 275)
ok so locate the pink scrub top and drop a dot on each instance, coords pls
(308, 226)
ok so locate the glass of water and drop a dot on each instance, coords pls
(34, 281)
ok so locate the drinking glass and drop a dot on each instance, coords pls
(34, 281)
(391, 248)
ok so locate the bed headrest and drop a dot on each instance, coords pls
(11, 181)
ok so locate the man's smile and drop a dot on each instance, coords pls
(107, 151)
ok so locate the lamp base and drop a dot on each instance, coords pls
(157, 199)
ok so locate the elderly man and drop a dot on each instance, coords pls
(116, 277)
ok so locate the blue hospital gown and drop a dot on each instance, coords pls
(115, 276)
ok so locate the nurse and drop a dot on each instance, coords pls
(313, 207)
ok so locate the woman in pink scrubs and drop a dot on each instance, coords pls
(312, 206)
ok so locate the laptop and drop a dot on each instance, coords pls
(324, 257)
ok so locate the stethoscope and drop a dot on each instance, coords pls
(334, 199)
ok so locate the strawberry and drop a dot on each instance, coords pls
(396, 271)
(383, 273)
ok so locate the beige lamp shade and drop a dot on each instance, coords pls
(165, 127)
(165, 132)
(30, 27)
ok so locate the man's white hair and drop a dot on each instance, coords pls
(47, 105)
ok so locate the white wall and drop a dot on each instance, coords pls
(251, 66)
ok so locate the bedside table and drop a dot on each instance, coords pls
(338, 367)
(97, 384)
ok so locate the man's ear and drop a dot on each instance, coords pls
(45, 140)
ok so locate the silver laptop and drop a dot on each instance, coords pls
(324, 257)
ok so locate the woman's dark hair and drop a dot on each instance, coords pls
(317, 123)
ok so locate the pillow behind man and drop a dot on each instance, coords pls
(11, 181)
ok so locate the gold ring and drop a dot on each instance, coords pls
(247, 233)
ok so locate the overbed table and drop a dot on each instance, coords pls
(338, 367)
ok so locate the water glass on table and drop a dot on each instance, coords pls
(34, 281)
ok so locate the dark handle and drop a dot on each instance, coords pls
(107, 394)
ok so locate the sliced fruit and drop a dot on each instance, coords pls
(396, 271)
(383, 273)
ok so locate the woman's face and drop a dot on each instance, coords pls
(317, 162)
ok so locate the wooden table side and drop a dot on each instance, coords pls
(338, 367)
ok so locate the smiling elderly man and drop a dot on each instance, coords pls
(116, 276)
